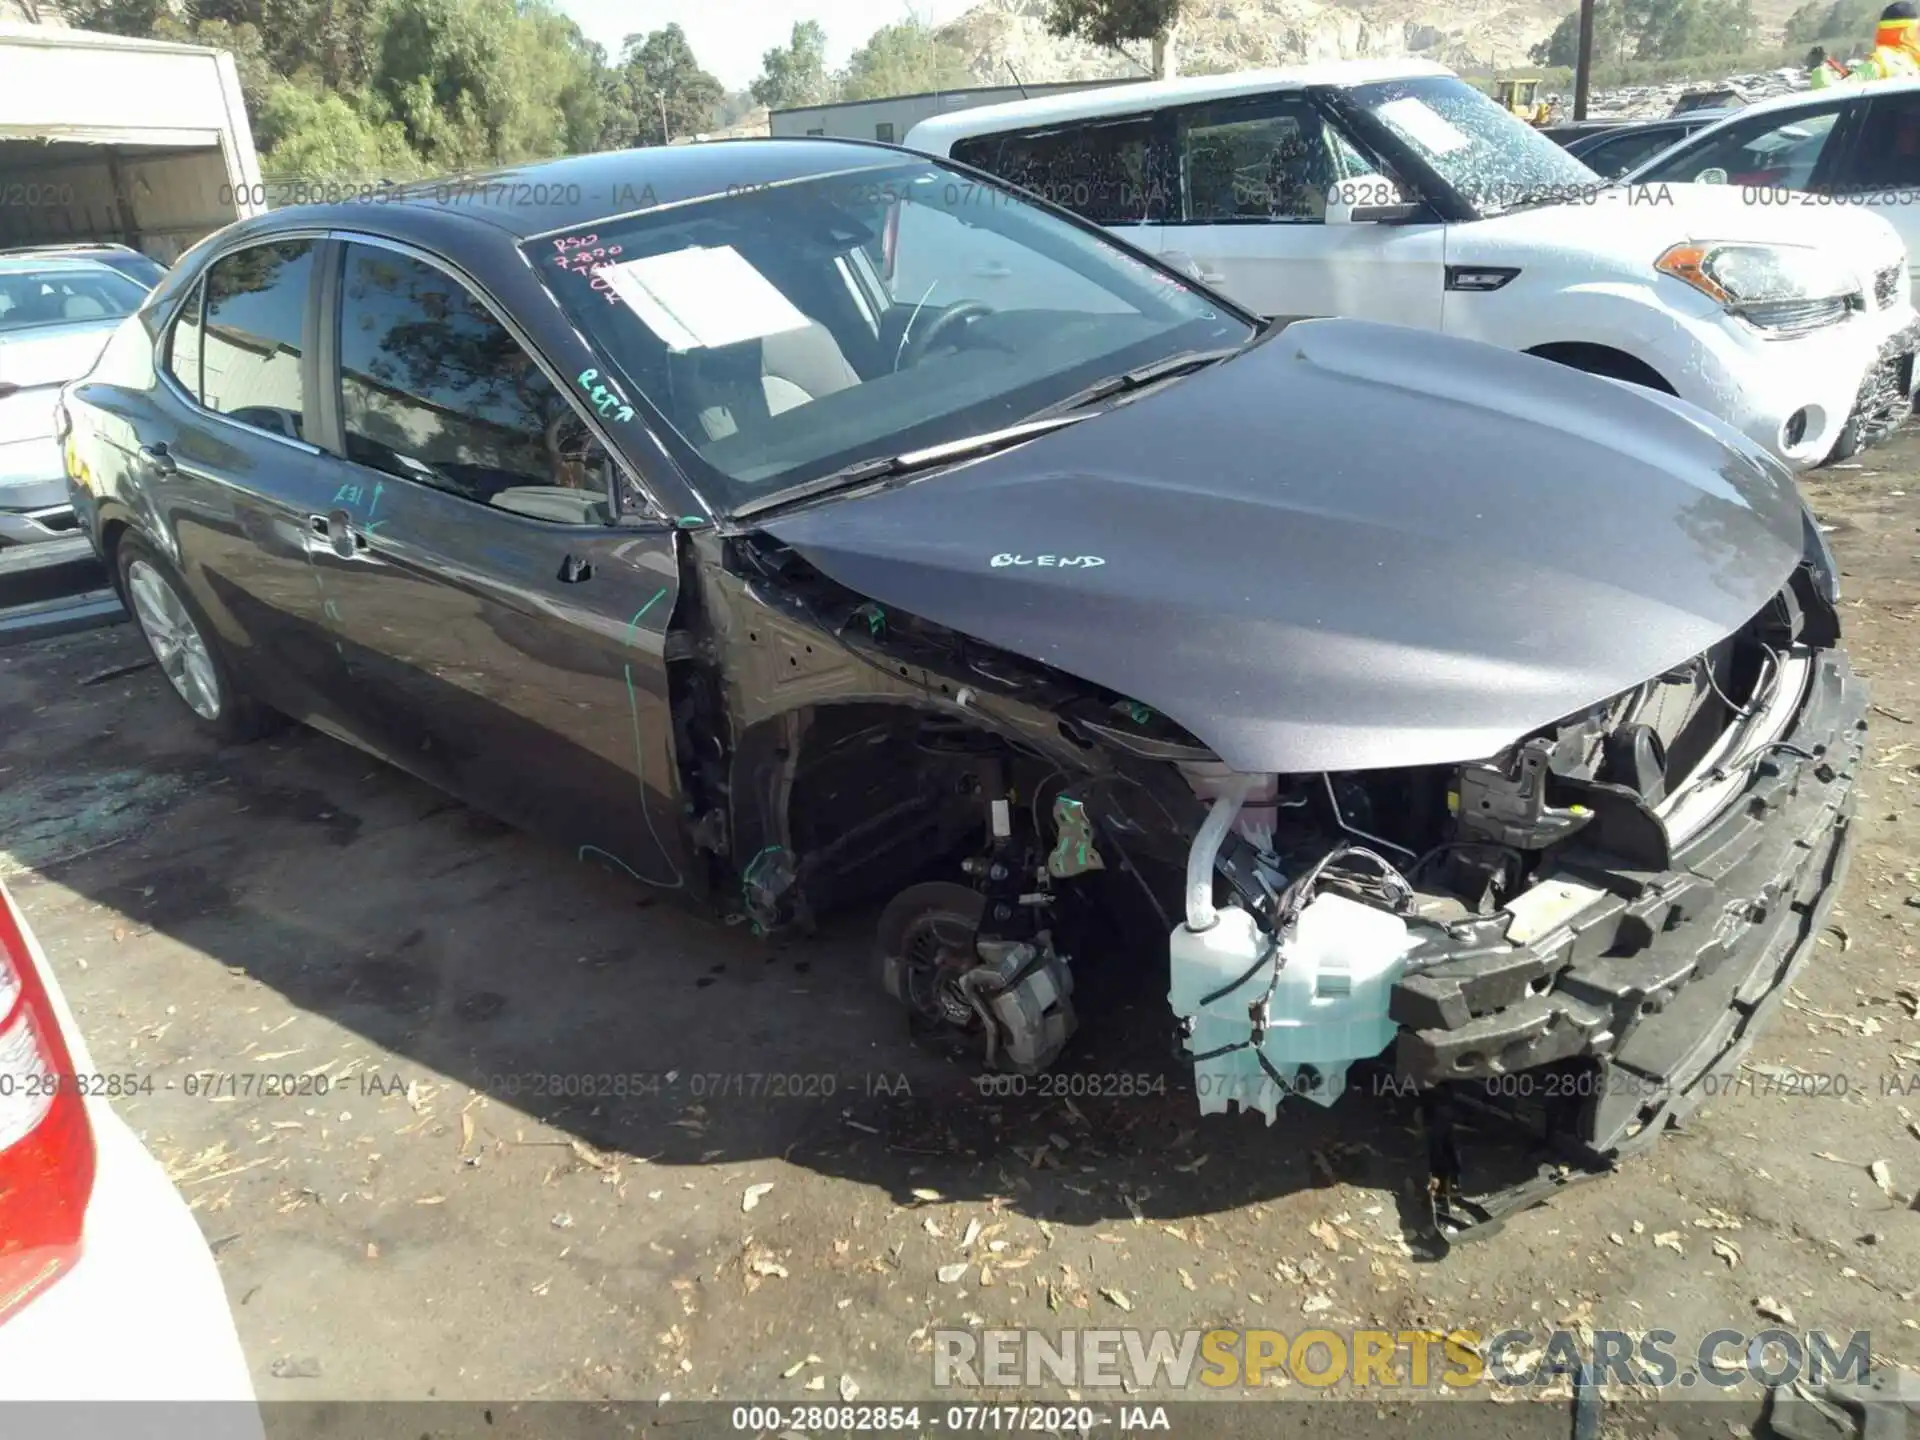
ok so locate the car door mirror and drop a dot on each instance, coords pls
(1371, 200)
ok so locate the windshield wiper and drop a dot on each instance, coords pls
(1550, 195)
(1139, 377)
(881, 467)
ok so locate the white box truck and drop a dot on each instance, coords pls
(114, 139)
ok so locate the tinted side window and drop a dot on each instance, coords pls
(1888, 151)
(184, 345)
(1617, 154)
(1111, 172)
(1268, 162)
(256, 302)
(1765, 150)
(435, 390)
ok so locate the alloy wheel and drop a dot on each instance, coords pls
(178, 645)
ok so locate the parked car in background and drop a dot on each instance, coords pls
(108, 1291)
(733, 542)
(1395, 191)
(1717, 98)
(1849, 148)
(1565, 132)
(56, 312)
(124, 258)
(1612, 153)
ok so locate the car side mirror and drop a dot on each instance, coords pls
(1371, 200)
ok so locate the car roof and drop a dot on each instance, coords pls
(1129, 99)
(544, 198)
(1812, 98)
(43, 264)
(1693, 120)
(69, 247)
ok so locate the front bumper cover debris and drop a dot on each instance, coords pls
(1650, 996)
(1886, 395)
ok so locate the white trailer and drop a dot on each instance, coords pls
(111, 138)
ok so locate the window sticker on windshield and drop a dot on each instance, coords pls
(699, 298)
(1427, 127)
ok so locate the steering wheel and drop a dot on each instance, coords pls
(919, 343)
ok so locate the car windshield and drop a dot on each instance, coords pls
(64, 296)
(782, 333)
(1492, 159)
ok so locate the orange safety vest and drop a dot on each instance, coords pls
(1898, 35)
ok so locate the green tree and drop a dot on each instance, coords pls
(908, 58)
(794, 73)
(309, 133)
(672, 96)
(117, 17)
(1848, 21)
(1115, 24)
(1611, 39)
(1655, 30)
(399, 87)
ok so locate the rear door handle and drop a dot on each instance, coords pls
(160, 458)
(337, 530)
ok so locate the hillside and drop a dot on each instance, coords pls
(1221, 35)
(1004, 38)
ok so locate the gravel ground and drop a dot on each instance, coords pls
(436, 1211)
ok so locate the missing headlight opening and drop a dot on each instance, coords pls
(1606, 909)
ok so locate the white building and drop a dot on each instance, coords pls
(889, 119)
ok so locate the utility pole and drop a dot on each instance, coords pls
(1583, 62)
(666, 135)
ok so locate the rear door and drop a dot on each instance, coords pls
(1881, 169)
(229, 476)
(1256, 176)
(1115, 171)
(505, 630)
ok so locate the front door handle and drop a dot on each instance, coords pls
(159, 457)
(337, 530)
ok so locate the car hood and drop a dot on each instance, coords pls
(1354, 546)
(1641, 219)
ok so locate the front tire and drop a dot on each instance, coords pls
(183, 646)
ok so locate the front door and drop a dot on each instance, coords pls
(505, 635)
(1256, 176)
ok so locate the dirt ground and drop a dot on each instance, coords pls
(437, 1211)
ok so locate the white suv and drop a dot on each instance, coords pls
(1394, 191)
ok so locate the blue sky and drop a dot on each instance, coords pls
(729, 36)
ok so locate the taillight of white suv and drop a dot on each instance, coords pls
(46, 1141)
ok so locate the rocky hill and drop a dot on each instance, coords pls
(1003, 38)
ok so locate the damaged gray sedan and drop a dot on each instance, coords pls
(1446, 709)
